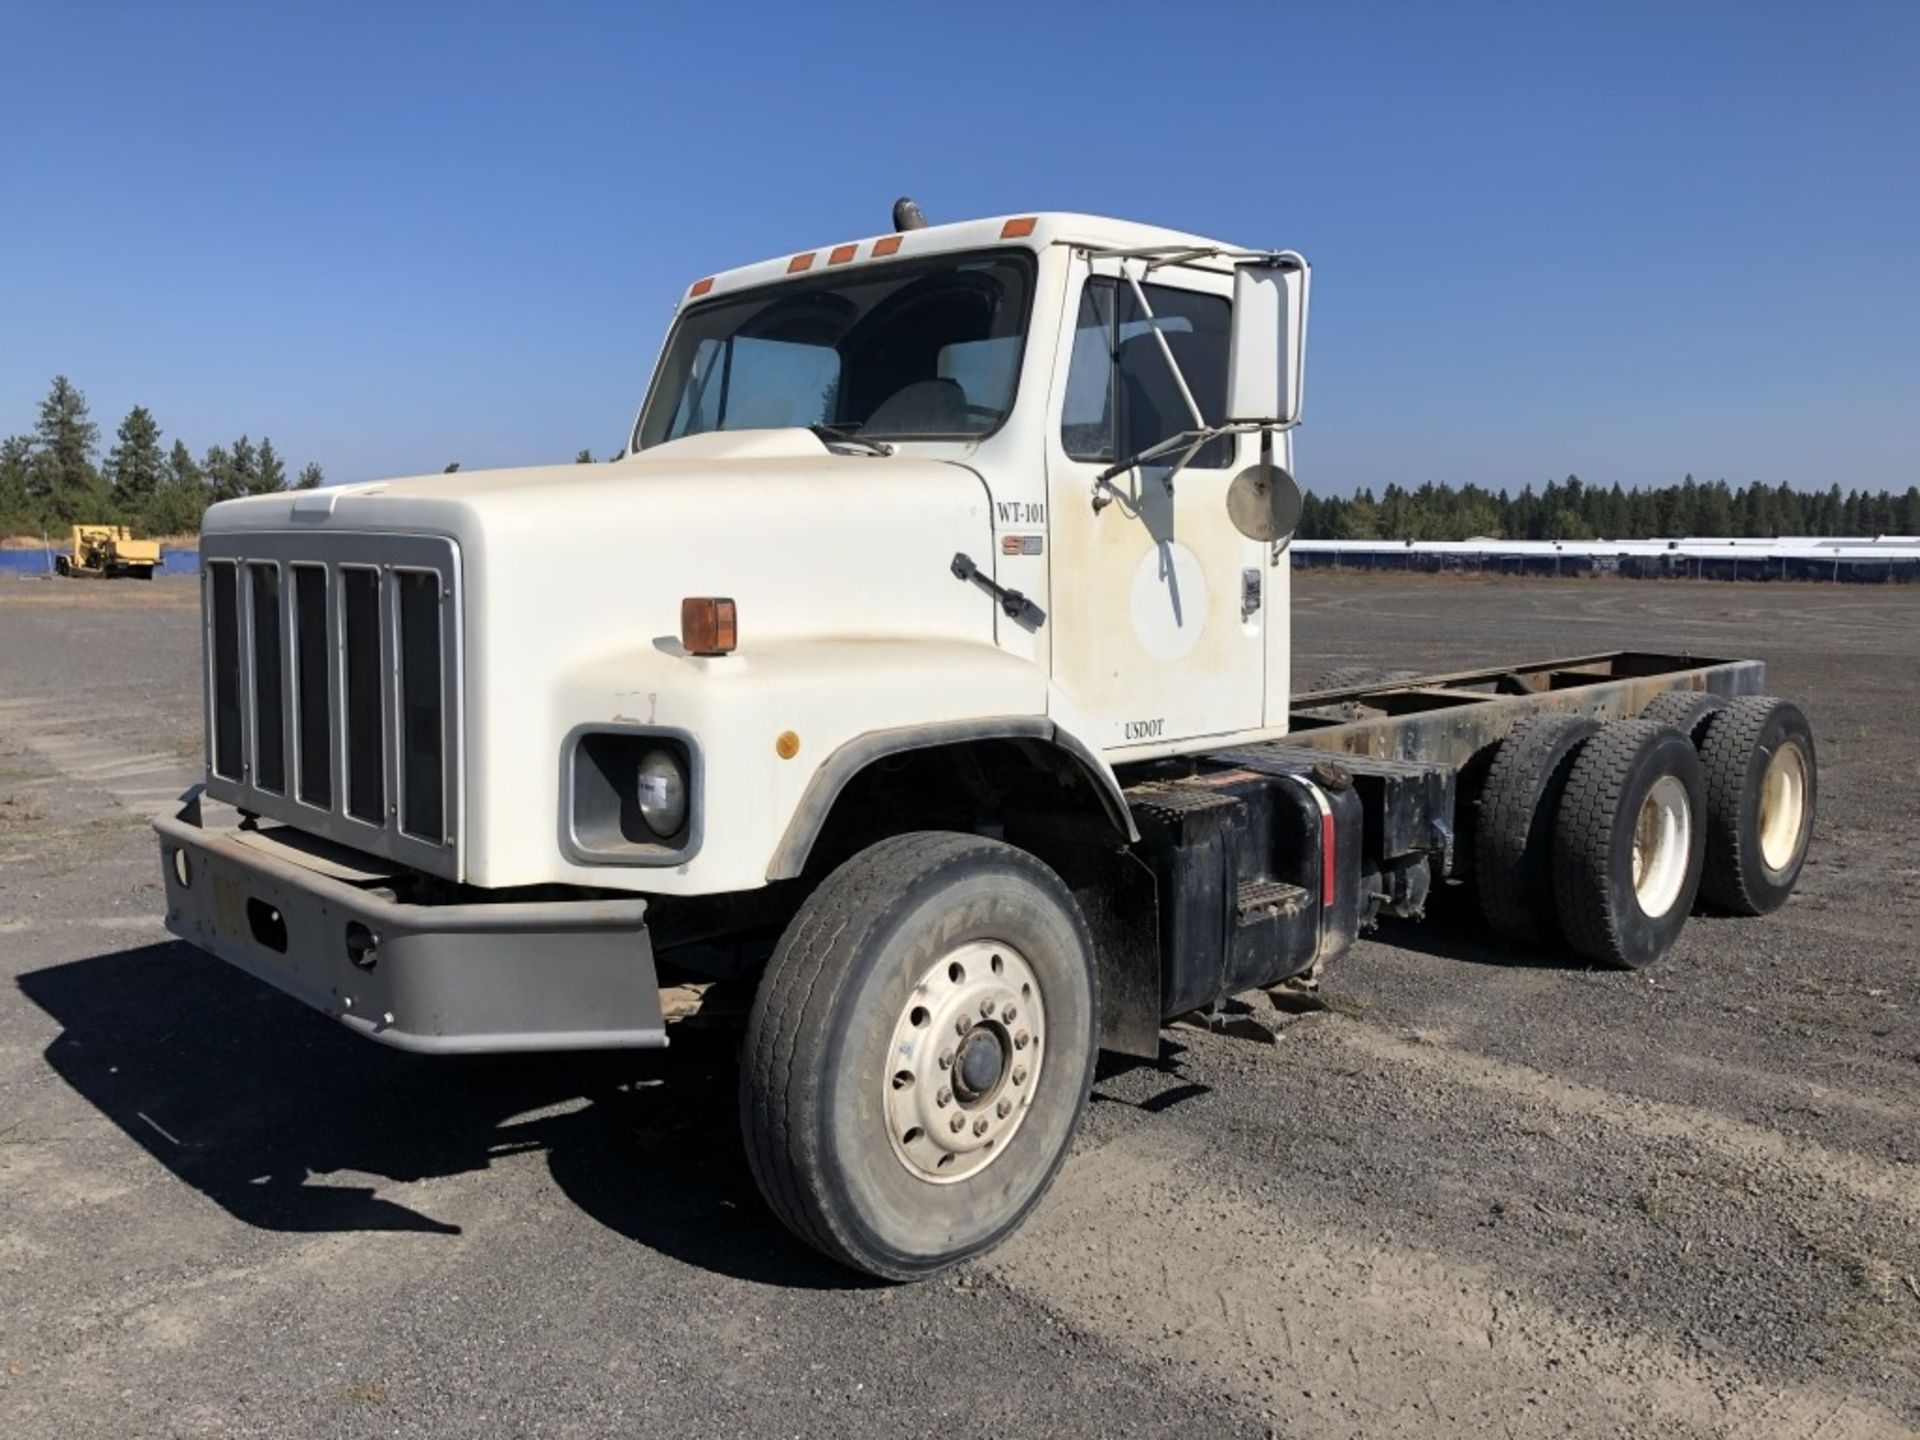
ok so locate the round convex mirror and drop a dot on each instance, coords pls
(1263, 502)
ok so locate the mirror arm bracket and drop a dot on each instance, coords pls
(1188, 440)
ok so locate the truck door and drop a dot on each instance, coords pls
(1158, 603)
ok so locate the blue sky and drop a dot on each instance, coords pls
(1620, 239)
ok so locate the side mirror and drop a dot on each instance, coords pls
(1266, 365)
(1263, 502)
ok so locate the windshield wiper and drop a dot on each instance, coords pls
(831, 435)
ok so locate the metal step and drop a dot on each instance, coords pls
(1170, 799)
(1256, 897)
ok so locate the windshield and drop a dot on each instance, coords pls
(913, 350)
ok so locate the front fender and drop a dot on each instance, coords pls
(827, 694)
(863, 750)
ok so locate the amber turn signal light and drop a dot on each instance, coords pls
(708, 625)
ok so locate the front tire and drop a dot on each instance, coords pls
(882, 1019)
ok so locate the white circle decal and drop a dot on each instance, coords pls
(1168, 603)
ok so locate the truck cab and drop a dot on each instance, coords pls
(921, 690)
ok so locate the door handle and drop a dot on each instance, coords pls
(1017, 605)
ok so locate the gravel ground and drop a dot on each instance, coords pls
(1480, 1193)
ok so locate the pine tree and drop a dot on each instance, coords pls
(1789, 511)
(135, 466)
(245, 469)
(181, 499)
(310, 477)
(270, 471)
(1361, 519)
(1715, 513)
(585, 457)
(216, 472)
(64, 484)
(16, 467)
(182, 473)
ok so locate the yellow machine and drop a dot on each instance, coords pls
(107, 552)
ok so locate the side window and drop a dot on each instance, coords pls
(1121, 396)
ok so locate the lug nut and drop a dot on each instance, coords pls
(980, 1126)
(959, 1123)
(946, 1059)
(963, 1024)
(1019, 1074)
(1008, 1014)
(986, 1009)
(945, 1096)
(1020, 1041)
(1003, 1109)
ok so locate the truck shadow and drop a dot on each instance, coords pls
(290, 1123)
(1453, 930)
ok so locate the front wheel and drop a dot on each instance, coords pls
(919, 1052)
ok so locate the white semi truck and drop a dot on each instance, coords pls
(936, 709)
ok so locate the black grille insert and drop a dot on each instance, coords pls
(360, 659)
(422, 746)
(226, 672)
(310, 684)
(269, 713)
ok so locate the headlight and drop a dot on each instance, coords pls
(660, 789)
(634, 797)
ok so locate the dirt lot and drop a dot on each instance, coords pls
(1482, 1193)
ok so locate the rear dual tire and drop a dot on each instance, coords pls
(1762, 780)
(1687, 711)
(1513, 831)
(1629, 839)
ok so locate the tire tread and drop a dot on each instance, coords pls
(1688, 711)
(1511, 855)
(1729, 742)
(797, 993)
(1582, 844)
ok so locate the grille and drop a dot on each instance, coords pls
(333, 687)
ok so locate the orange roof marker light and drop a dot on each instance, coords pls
(700, 287)
(1019, 229)
(885, 245)
(842, 253)
(799, 263)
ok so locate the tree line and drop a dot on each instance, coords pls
(1570, 510)
(55, 477)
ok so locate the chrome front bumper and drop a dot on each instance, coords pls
(441, 979)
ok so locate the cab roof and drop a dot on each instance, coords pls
(1033, 232)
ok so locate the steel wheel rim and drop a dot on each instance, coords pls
(1783, 807)
(965, 1061)
(1662, 844)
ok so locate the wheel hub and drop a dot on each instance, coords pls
(982, 1060)
(1662, 845)
(1783, 807)
(965, 1061)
